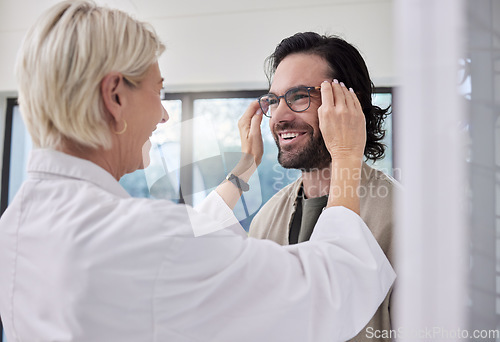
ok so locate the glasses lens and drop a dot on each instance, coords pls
(268, 103)
(298, 99)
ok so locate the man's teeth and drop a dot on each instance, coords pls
(289, 135)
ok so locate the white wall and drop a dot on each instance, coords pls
(221, 44)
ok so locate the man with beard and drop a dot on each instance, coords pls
(295, 70)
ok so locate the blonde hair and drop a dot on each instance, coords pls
(61, 64)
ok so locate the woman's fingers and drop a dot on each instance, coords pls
(357, 104)
(342, 95)
(245, 120)
(250, 132)
(251, 110)
(326, 95)
(255, 123)
(349, 101)
(338, 94)
(255, 135)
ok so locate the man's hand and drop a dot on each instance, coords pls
(341, 121)
(250, 133)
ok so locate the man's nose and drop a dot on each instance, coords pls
(282, 113)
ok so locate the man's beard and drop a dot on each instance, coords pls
(314, 155)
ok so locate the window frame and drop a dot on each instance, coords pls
(7, 144)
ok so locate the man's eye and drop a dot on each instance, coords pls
(272, 101)
(299, 96)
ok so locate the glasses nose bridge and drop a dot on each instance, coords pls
(281, 113)
(284, 97)
(279, 102)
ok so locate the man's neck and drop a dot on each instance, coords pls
(316, 183)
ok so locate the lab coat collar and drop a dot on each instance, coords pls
(48, 163)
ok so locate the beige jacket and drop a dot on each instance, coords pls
(377, 191)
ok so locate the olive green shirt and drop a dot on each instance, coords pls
(306, 215)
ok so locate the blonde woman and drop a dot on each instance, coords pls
(80, 260)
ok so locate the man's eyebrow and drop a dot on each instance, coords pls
(295, 86)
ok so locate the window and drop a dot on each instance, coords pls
(161, 178)
(17, 143)
(191, 153)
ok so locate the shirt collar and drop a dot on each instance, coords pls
(45, 163)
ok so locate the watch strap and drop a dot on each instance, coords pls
(240, 184)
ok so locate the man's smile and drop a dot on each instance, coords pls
(290, 137)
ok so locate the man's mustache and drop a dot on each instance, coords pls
(291, 126)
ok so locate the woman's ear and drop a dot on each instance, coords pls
(111, 92)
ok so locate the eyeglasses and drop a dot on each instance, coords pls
(297, 99)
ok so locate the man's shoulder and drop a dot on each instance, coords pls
(377, 193)
(285, 195)
(374, 179)
(276, 213)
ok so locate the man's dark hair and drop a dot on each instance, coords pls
(346, 65)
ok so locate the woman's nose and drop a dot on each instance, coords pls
(165, 116)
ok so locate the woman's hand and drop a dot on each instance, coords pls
(342, 124)
(250, 134)
(252, 149)
(341, 121)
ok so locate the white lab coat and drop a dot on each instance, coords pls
(80, 260)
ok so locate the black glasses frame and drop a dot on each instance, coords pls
(285, 97)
